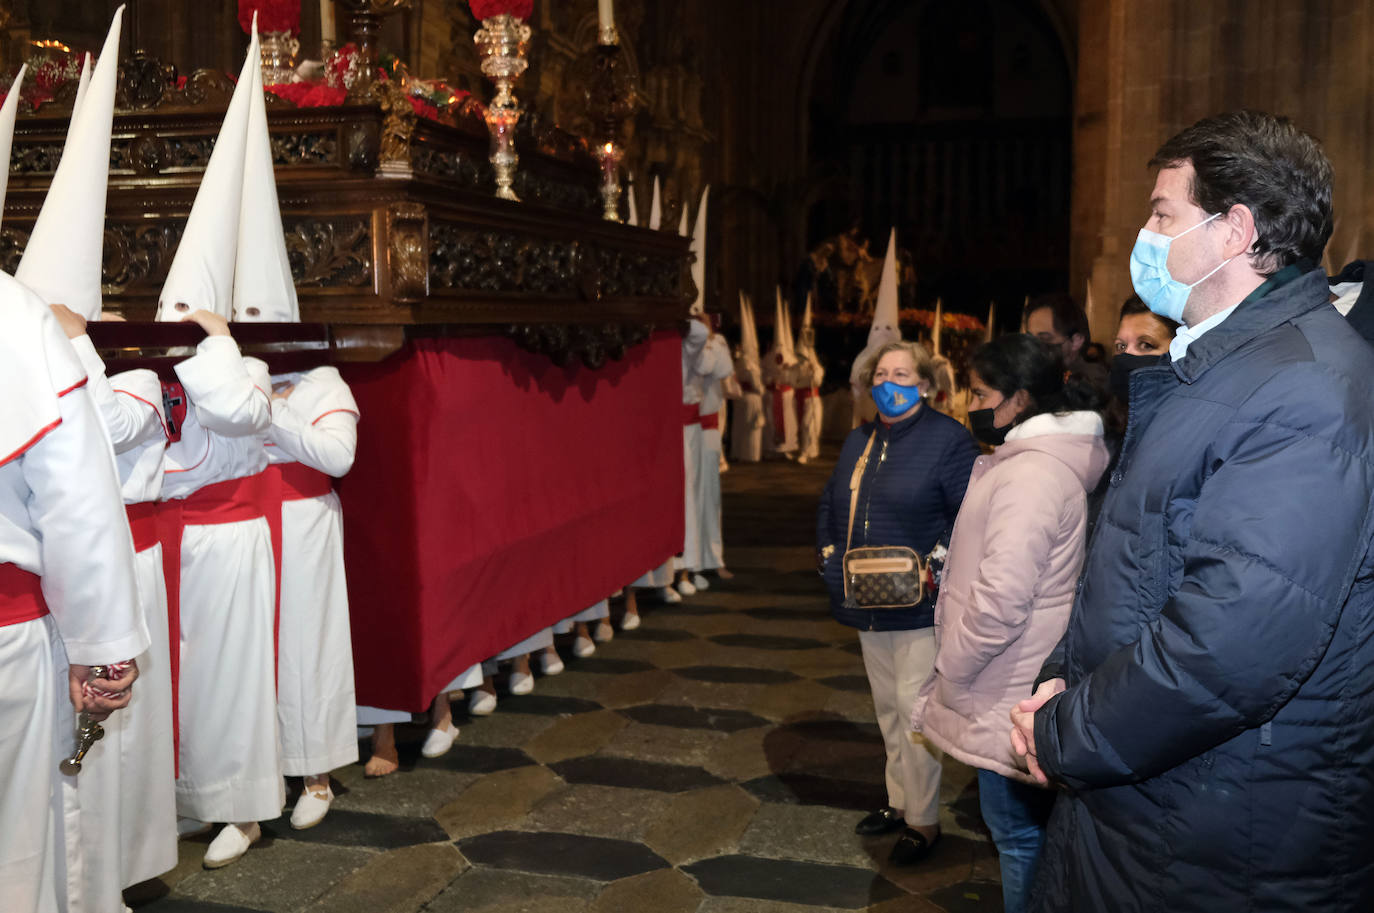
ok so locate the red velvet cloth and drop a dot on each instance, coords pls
(494, 494)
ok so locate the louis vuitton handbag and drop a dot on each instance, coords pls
(879, 576)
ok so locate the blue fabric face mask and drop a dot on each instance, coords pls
(1161, 292)
(895, 399)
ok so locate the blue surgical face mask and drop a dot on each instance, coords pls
(895, 399)
(1161, 292)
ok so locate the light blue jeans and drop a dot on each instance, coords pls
(1016, 814)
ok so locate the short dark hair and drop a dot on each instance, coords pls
(1268, 165)
(1022, 362)
(1069, 319)
(1133, 305)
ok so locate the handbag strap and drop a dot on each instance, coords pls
(855, 479)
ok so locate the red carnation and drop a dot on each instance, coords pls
(485, 9)
(273, 15)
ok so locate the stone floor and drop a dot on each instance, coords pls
(715, 760)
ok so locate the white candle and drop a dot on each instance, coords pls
(327, 21)
(605, 15)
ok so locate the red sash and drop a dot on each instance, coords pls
(779, 412)
(299, 482)
(143, 524)
(21, 596)
(223, 502)
(710, 421)
(691, 413)
(807, 393)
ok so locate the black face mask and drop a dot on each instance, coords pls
(1122, 366)
(984, 429)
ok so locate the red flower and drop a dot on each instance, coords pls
(485, 9)
(273, 15)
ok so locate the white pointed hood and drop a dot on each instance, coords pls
(698, 248)
(992, 318)
(806, 342)
(634, 207)
(202, 272)
(748, 330)
(682, 222)
(8, 112)
(83, 82)
(885, 327)
(656, 208)
(264, 291)
(782, 333)
(62, 260)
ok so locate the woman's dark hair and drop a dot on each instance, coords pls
(1270, 166)
(1134, 305)
(1022, 362)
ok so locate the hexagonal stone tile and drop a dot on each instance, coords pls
(597, 858)
(768, 642)
(740, 675)
(816, 883)
(611, 771)
(712, 718)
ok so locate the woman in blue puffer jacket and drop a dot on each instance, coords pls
(909, 494)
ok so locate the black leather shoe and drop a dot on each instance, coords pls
(911, 848)
(883, 821)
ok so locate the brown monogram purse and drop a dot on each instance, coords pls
(879, 576)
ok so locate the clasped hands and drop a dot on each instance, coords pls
(104, 696)
(1023, 725)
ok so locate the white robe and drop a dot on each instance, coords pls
(809, 375)
(747, 424)
(693, 349)
(230, 768)
(136, 838)
(316, 710)
(779, 408)
(60, 518)
(714, 365)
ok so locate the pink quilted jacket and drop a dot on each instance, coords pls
(1008, 584)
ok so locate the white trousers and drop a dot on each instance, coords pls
(746, 429)
(33, 734)
(316, 709)
(897, 663)
(128, 781)
(711, 547)
(597, 612)
(659, 576)
(230, 757)
(691, 466)
(539, 640)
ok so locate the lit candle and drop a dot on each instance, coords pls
(327, 21)
(605, 16)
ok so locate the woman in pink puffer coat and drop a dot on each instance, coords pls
(1008, 584)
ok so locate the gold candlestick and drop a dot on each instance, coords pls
(503, 42)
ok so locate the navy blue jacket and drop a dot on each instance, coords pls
(909, 495)
(1217, 735)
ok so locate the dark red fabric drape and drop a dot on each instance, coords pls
(495, 493)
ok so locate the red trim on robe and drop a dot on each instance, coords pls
(352, 412)
(30, 442)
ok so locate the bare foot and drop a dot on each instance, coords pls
(725, 573)
(384, 759)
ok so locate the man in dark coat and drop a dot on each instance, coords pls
(1210, 710)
